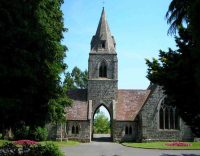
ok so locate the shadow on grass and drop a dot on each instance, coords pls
(180, 155)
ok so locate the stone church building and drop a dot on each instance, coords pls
(135, 115)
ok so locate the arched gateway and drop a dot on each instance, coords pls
(133, 113)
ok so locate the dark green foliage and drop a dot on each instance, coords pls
(24, 132)
(10, 149)
(177, 14)
(77, 79)
(45, 150)
(31, 61)
(184, 13)
(40, 134)
(178, 71)
(101, 124)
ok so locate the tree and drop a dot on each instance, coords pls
(177, 71)
(101, 123)
(177, 14)
(184, 13)
(77, 79)
(31, 60)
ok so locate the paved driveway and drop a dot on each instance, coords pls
(114, 149)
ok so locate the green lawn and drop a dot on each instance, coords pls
(161, 145)
(58, 143)
(63, 143)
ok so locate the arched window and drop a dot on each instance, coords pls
(171, 114)
(103, 44)
(103, 70)
(73, 130)
(126, 130)
(161, 118)
(168, 117)
(77, 130)
(177, 120)
(130, 130)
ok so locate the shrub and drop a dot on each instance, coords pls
(22, 133)
(10, 149)
(40, 134)
(46, 150)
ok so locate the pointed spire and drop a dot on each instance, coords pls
(103, 41)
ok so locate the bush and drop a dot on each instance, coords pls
(40, 134)
(22, 133)
(10, 149)
(46, 150)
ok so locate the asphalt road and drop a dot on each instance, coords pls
(114, 149)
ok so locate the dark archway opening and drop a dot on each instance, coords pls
(101, 126)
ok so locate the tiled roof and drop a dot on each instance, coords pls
(129, 103)
(79, 108)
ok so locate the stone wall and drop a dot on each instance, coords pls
(84, 134)
(111, 63)
(102, 89)
(149, 121)
(52, 131)
(119, 128)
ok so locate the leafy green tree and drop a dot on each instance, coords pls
(177, 71)
(31, 61)
(77, 79)
(101, 123)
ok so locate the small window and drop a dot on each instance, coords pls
(171, 114)
(166, 118)
(126, 130)
(77, 130)
(103, 44)
(73, 130)
(161, 118)
(130, 130)
(177, 120)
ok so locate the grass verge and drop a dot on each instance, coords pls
(63, 143)
(161, 145)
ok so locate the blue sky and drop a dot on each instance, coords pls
(139, 28)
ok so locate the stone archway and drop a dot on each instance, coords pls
(103, 115)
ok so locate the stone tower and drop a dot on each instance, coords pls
(103, 70)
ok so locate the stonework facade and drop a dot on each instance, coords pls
(136, 115)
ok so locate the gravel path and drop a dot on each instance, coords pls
(114, 149)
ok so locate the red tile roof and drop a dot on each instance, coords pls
(79, 108)
(129, 103)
